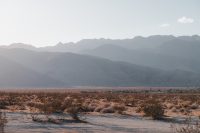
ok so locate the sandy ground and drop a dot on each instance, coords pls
(107, 112)
(22, 123)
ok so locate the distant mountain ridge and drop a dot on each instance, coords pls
(178, 53)
(53, 69)
(13, 74)
(137, 42)
(141, 61)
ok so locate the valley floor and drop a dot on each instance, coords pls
(99, 110)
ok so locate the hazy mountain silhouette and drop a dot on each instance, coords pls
(189, 49)
(163, 60)
(13, 74)
(169, 53)
(138, 42)
(20, 45)
(154, 60)
(50, 69)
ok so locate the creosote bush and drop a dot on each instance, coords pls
(75, 107)
(153, 108)
(74, 112)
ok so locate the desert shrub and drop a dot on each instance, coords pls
(67, 102)
(74, 113)
(54, 106)
(174, 109)
(75, 110)
(154, 109)
(138, 109)
(36, 118)
(48, 105)
(3, 121)
(106, 105)
(119, 108)
(182, 110)
(111, 97)
(194, 106)
(189, 127)
(98, 109)
(75, 107)
(169, 106)
(88, 108)
(35, 105)
(14, 99)
(108, 110)
(3, 104)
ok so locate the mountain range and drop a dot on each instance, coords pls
(160, 60)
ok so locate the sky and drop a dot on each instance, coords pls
(47, 22)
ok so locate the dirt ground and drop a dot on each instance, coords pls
(104, 110)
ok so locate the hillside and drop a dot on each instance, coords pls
(68, 69)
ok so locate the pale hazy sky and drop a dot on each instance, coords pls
(46, 22)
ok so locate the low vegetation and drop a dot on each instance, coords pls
(3, 121)
(153, 108)
(188, 127)
(75, 103)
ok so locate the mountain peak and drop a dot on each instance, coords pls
(21, 45)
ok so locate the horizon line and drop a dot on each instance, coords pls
(103, 38)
